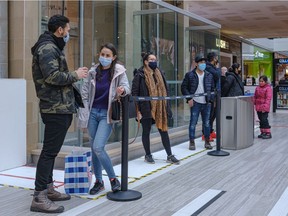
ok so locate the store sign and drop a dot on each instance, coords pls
(283, 88)
(283, 61)
(222, 44)
(259, 54)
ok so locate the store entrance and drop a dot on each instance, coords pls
(281, 82)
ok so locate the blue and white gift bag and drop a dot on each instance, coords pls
(78, 172)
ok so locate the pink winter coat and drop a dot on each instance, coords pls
(262, 98)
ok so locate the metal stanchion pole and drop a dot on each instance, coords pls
(218, 151)
(124, 194)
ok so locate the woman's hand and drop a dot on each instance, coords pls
(120, 90)
(139, 116)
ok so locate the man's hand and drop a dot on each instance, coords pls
(191, 103)
(82, 72)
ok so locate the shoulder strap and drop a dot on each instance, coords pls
(241, 87)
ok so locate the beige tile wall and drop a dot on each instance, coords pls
(3, 39)
(23, 29)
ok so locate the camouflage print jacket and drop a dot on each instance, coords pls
(53, 81)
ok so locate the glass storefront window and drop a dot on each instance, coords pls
(72, 51)
(257, 62)
(134, 27)
(175, 38)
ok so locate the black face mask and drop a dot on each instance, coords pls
(152, 65)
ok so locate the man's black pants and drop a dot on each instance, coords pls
(56, 127)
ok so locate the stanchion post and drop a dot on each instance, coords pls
(218, 151)
(124, 194)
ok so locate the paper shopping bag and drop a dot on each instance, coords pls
(78, 172)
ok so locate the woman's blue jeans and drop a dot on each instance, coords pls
(99, 132)
(195, 110)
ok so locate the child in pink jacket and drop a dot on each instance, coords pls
(262, 101)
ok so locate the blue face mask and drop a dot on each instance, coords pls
(66, 38)
(105, 61)
(152, 65)
(202, 66)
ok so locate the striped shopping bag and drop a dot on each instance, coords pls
(78, 172)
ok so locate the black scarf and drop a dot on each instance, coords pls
(46, 37)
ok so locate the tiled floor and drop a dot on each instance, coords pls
(137, 169)
(251, 181)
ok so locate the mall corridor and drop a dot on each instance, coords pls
(248, 182)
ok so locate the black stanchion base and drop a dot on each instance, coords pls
(218, 153)
(123, 196)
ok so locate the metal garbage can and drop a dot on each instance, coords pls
(237, 122)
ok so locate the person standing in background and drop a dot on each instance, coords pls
(53, 84)
(233, 85)
(106, 82)
(223, 78)
(199, 81)
(212, 66)
(262, 101)
(150, 81)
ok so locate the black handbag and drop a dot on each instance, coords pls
(116, 110)
(116, 107)
(170, 121)
(78, 97)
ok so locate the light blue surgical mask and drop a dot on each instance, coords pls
(105, 61)
(66, 38)
(202, 66)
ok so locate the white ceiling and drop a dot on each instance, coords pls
(247, 19)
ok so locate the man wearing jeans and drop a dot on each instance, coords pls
(53, 84)
(199, 81)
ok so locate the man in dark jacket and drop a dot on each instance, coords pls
(53, 84)
(199, 81)
(212, 62)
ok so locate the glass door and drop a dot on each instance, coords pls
(175, 37)
(156, 31)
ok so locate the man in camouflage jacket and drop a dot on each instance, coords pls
(53, 83)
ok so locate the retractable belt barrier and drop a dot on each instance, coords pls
(129, 195)
(139, 98)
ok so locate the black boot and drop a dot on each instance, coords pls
(267, 136)
(207, 144)
(192, 145)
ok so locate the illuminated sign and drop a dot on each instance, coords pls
(258, 54)
(283, 61)
(283, 88)
(222, 44)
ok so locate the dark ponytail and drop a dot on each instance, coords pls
(234, 67)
